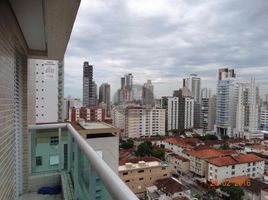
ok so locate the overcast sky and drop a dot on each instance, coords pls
(166, 40)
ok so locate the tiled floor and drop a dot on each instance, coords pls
(35, 196)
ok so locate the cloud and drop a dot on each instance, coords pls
(165, 40)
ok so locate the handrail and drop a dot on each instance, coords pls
(117, 188)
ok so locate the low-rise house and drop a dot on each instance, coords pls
(256, 148)
(140, 173)
(180, 145)
(252, 191)
(221, 168)
(168, 189)
(180, 164)
(199, 159)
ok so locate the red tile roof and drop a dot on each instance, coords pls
(169, 185)
(205, 153)
(179, 157)
(233, 160)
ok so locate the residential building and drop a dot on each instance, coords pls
(193, 83)
(125, 93)
(140, 173)
(118, 117)
(89, 86)
(226, 107)
(168, 189)
(186, 109)
(222, 168)
(88, 114)
(204, 113)
(45, 91)
(141, 121)
(180, 146)
(180, 164)
(172, 113)
(206, 93)
(148, 93)
(247, 108)
(69, 103)
(24, 35)
(264, 118)
(199, 159)
(104, 98)
(226, 73)
(164, 105)
(211, 112)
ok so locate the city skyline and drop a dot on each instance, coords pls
(166, 42)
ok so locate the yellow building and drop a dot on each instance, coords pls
(140, 173)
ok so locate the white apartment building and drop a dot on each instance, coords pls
(140, 121)
(118, 117)
(187, 115)
(173, 112)
(247, 108)
(264, 119)
(69, 103)
(226, 108)
(222, 168)
(45, 91)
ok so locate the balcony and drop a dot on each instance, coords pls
(59, 154)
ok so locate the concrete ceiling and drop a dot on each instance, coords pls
(46, 25)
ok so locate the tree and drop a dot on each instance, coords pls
(224, 146)
(145, 149)
(127, 144)
(207, 137)
(235, 192)
(159, 153)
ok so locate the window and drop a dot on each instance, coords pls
(233, 166)
(140, 179)
(140, 171)
(254, 163)
(127, 181)
(233, 173)
(54, 140)
(165, 175)
(253, 169)
(125, 173)
(38, 160)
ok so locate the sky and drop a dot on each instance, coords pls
(166, 40)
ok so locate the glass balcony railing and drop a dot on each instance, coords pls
(60, 148)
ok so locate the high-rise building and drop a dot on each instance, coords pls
(193, 83)
(125, 93)
(148, 93)
(205, 93)
(141, 121)
(247, 108)
(264, 118)
(89, 86)
(186, 109)
(104, 98)
(164, 105)
(69, 103)
(226, 73)
(45, 91)
(227, 96)
(172, 113)
(204, 110)
(211, 112)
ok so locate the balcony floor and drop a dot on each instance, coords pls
(35, 196)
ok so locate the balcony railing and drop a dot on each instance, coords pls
(65, 150)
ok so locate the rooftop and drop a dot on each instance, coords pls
(206, 153)
(256, 186)
(169, 185)
(179, 157)
(139, 163)
(233, 160)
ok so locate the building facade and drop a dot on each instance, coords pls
(247, 108)
(89, 86)
(148, 93)
(226, 108)
(45, 91)
(105, 98)
(264, 118)
(172, 113)
(144, 122)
